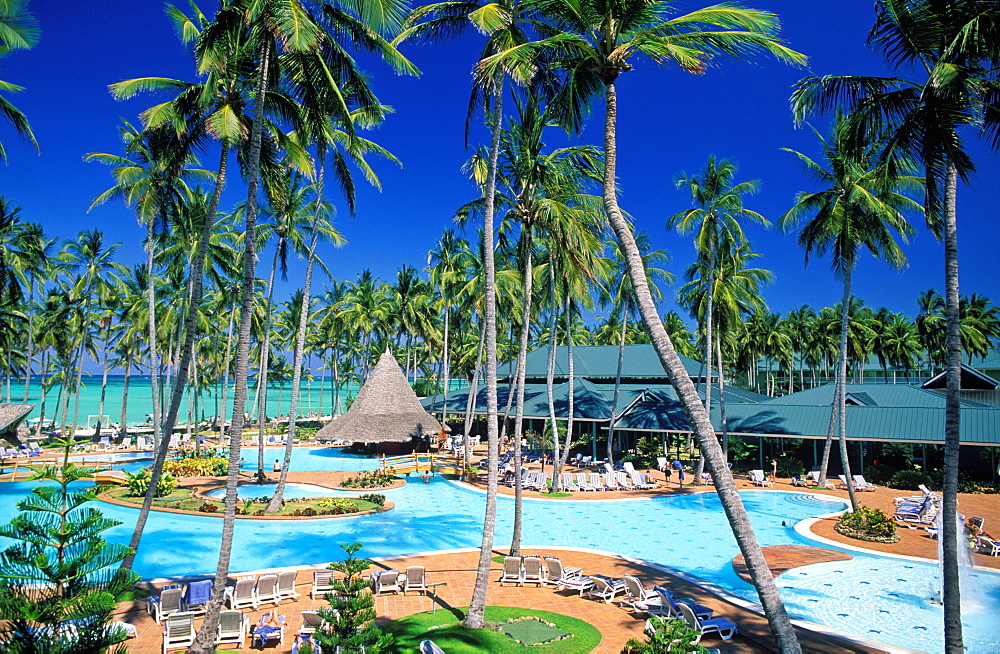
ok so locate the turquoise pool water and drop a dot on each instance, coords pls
(688, 532)
(292, 491)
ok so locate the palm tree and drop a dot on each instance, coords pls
(90, 259)
(607, 36)
(18, 31)
(623, 301)
(501, 57)
(718, 208)
(955, 49)
(861, 207)
(733, 289)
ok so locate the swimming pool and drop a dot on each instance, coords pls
(291, 492)
(687, 532)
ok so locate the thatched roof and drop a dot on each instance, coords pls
(11, 416)
(385, 410)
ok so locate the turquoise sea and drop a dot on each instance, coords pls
(315, 397)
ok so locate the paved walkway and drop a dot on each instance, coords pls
(458, 570)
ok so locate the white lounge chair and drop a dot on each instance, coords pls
(233, 627)
(242, 593)
(558, 574)
(271, 634)
(386, 581)
(178, 632)
(415, 579)
(611, 481)
(605, 590)
(311, 622)
(861, 484)
(595, 481)
(661, 463)
(987, 545)
(286, 585)
(169, 601)
(674, 603)
(534, 572)
(267, 589)
(623, 481)
(567, 483)
(635, 595)
(429, 647)
(723, 627)
(321, 584)
(759, 478)
(513, 571)
(583, 483)
(640, 481)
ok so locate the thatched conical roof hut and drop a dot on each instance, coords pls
(11, 416)
(385, 410)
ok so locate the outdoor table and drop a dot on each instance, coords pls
(432, 589)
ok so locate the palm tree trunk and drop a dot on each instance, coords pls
(722, 400)
(104, 381)
(570, 408)
(618, 387)
(125, 384)
(30, 348)
(840, 396)
(42, 371)
(470, 400)
(206, 635)
(300, 344)
(520, 373)
(951, 591)
(180, 381)
(225, 372)
(760, 574)
(445, 365)
(265, 353)
(477, 606)
(549, 378)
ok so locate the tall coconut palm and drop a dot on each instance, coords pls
(715, 221)
(504, 27)
(18, 31)
(954, 49)
(861, 207)
(608, 36)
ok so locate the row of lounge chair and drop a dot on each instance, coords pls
(918, 510)
(656, 603)
(583, 481)
(394, 581)
(234, 628)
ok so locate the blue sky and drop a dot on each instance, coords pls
(668, 122)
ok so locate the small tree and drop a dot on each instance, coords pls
(349, 623)
(669, 636)
(61, 568)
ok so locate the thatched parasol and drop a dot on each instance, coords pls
(11, 416)
(385, 410)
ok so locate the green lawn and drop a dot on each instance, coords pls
(442, 627)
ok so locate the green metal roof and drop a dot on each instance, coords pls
(978, 426)
(599, 363)
(895, 412)
(883, 395)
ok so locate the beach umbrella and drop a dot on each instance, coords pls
(11, 416)
(385, 410)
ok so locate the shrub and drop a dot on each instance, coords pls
(308, 511)
(869, 524)
(669, 635)
(789, 466)
(374, 498)
(208, 507)
(371, 479)
(345, 505)
(910, 479)
(198, 466)
(138, 483)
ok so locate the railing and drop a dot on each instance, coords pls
(415, 462)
